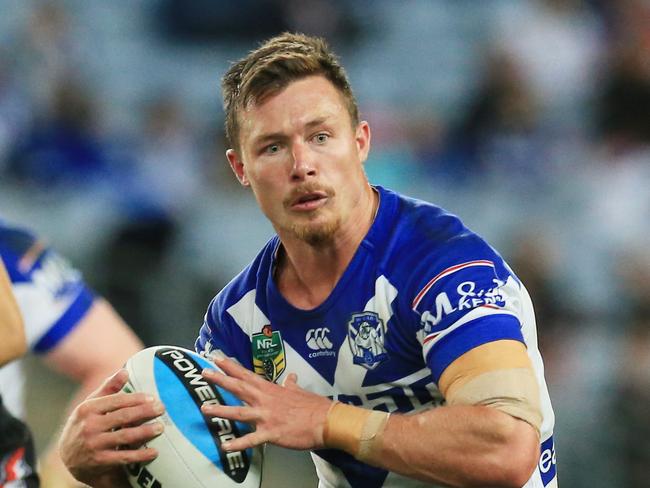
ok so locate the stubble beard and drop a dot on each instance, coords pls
(307, 228)
(316, 235)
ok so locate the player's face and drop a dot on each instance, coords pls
(304, 160)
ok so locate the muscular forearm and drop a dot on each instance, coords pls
(457, 446)
(460, 446)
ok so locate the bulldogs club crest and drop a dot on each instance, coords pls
(268, 353)
(366, 335)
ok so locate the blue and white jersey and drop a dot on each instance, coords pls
(51, 296)
(420, 291)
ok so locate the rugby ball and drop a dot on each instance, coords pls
(190, 454)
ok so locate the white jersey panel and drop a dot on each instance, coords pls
(39, 308)
(12, 384)
(247, 314)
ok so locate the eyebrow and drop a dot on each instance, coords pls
(316, 122)
(279, 136)
(274, 136)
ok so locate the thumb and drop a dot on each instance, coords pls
(112, 384)
(291, 381)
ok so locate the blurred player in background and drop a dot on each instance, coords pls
(17, 459)
(75, 332)
(13, 344)
(366, 306)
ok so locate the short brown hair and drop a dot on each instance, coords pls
(271, 67)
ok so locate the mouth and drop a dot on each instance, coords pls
(306, 202)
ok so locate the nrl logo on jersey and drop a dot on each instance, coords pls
(268, 353)
(366, 336)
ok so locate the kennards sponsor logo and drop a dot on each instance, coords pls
(467, 297)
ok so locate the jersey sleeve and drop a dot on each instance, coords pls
(50, 293)
(220, 335)
(466, 303)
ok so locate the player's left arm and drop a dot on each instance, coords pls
(93, 350)
(487, 435)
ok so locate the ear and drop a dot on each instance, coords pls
(362, 137)
(237, 166)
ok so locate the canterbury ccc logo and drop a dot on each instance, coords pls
(317, 339)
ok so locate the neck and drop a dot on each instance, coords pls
(307, 274)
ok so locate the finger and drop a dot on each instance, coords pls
(130, 415)
(236, 370)
(111, 457)
(249, 440)
(112, 384)
(234, 385)
(243, 414)
(118, 401)
(133, 437)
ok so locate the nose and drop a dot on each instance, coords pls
(303, 163)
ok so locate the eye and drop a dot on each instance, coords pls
(321, 138)
(271, 149)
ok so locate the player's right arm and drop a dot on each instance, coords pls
(13, 344)
(108, 419)
(105, 432)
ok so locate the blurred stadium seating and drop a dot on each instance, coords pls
(528, 118)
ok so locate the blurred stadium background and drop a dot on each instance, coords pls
(528, 118)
